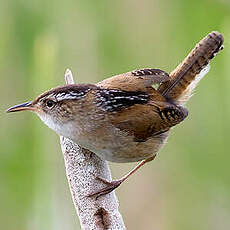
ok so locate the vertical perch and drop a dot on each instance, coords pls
(82, 167)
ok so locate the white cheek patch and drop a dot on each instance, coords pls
(65, 130)
(48, 121)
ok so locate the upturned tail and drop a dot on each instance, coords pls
(187, 74)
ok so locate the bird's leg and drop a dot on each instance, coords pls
(110, 186)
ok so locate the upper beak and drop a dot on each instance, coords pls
(21, 107)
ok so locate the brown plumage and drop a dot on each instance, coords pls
(150, 119)
(124, 118)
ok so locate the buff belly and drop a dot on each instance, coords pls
(124, 149)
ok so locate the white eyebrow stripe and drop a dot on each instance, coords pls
(71, 95)
(66, 97)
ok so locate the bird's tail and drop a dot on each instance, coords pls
(187, 75)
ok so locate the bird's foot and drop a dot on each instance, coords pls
(110, 186)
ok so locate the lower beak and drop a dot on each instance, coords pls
(21, 107)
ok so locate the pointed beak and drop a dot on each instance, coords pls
(21, 107)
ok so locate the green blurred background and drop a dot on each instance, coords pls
(188, 186)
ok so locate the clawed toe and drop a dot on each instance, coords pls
(110, 186)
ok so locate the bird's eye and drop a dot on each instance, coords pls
(50, 103)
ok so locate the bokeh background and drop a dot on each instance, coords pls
(188, 186)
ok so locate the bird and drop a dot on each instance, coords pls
(127, 117)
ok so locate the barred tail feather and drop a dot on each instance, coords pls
(188, 92)
(187, 75)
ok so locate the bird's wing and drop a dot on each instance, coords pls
(135, 107)
(136, 80)
(139, 114)
(146, 120)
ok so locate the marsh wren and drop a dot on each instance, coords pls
(124, 118)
